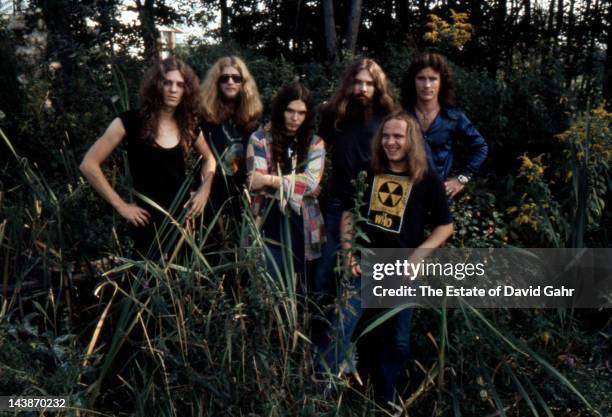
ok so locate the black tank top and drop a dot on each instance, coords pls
(157, 172)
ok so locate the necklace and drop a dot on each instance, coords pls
(424, 116)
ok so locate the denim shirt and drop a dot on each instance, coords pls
(449, 126)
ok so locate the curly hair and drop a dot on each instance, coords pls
(438, 63)
(288, 93)
(152, 101)
(384, 97)
(249, 107)
(417, 157)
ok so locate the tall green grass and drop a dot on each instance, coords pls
(181, 336)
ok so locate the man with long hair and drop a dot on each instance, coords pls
(158, 138)
(285, 164)
(231, 108)
(349, 120)
(402, 197)
(428, 94)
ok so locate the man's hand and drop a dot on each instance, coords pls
(316, 192)
(257, 181)
(196, 204)
(135, 215)
(453, 187)
(351, 262)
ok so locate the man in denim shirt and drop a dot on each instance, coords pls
(427, 93)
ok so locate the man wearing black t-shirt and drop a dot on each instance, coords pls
(402, 198)
(348, 122)
(231, 108)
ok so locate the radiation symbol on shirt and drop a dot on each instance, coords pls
(388, 201)
(390, 193)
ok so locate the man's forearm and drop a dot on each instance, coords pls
(208, 171)
(346, 231)
(274, 181)
(99, 182)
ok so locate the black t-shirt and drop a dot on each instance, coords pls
(228, 143)
(158, 173)
(397, 211)
(350, 145)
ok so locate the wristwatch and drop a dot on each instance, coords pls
(463, 179)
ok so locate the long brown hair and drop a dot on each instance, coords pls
(438, 63)
(384, 98)
(249, 107)
(415, 147)
(152, 101)
(288, 93)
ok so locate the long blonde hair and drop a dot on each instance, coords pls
(415, 147)
(384, 98)
(249, 108)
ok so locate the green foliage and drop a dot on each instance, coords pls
(537, 208)
(199, 344)
(478, 221)
(588, 151)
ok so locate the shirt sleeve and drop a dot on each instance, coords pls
(256, 158)
(475, 144)
(296, 186)
(438, 209)
(257, 161)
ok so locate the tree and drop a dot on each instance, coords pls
(148, 30)
(225, 36)
(352, 28)
(329, 22)
(607, 85)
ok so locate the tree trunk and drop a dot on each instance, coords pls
(148, 31)
(329, 22)
(405, 19)
(423, 12)
(297, 33)
(569, 47)
(551, 13)
(607, 84)
(558, 22)
(592, 34)
(224, 21)
(500, 41)
(352, 28)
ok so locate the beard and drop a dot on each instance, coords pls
(359, 109)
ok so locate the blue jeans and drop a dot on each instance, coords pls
(285, 252)
(383, 351)
(323, 283)
(277, 261)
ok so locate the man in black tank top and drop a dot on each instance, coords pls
(158, 138)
